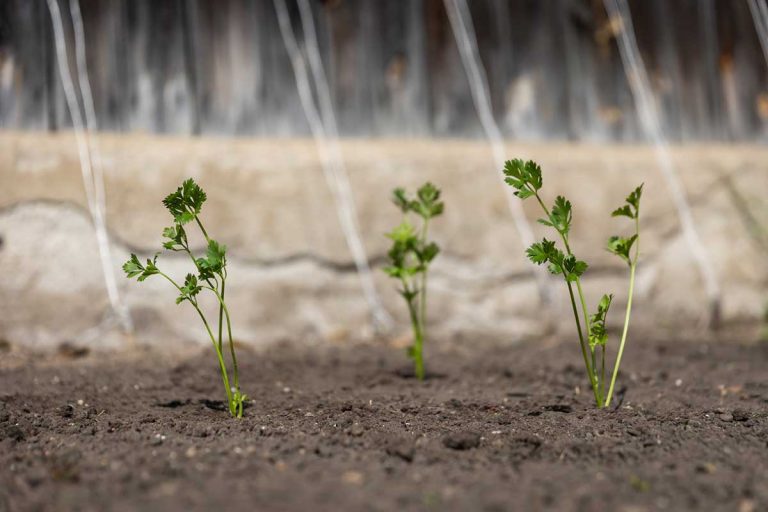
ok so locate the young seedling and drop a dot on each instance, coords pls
(409, 260)
(526, 179)
(210, 275)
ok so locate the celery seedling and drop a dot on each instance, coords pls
(210, 274)
(526, 178)
(409, 260)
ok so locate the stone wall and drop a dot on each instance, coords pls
(292, 277)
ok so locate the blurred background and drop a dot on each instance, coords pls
(298, 117)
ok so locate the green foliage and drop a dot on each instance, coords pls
(526, 179)
(597, 332)
(621, 247)
(211, 273)
(134, 268)
(410, 256)
(185, 204)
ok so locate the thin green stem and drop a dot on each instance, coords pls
(590, 368)
(418, 342)
(602, 372)
(623, 335)
(221, 320)
(222, 365)
(200, 225)
(583, 345)
(224, 308)
(423, 290)
(632, 268)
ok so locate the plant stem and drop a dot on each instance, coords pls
(224, 308)
(418, 342)
(590, 369)
(623, 335)
(221, 320)
(632, 268)
(423, 301)
(602, 372)
(222, 365)
(583, 344)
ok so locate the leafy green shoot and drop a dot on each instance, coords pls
(526, 178)
(185, 205)
(410, 255)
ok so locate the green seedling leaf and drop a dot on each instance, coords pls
(633, 198)
(623, 211)
(573, 268)
(185, 204)
(598, 335)
(428, 253)
(189, 290)
(525, 177)
(133, 268)
(176, 238)
(401, 200)
(403, 234)
(561, 215)
(621, 247)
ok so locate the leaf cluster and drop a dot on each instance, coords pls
(426, 204)
(622, 246)
(185, 204)
(598, 335)
(568, 265)
(524, 177)
(134, 268)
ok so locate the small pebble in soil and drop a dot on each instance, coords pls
(463, 440)
(740, 415)
(352, 477)
(726, 416)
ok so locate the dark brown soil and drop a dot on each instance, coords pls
(347, 429)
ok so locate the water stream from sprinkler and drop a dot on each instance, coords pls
(90, 159)
(759, 11)
(466, 40)
(322, 123)
(650, 123)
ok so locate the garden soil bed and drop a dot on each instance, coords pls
(348, 429)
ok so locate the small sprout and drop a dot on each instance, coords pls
(210, 274)
(526, 179)
(409, 260)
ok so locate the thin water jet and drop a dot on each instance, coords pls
(466, 40)
(322, 123)
(759, 11)
(93, 182)
(650, 123)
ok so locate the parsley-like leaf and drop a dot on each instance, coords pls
(189, 290)
(133, 268)
(186, 202)
(597, 331)
(622, 247)
(561, 215)
(525, 177)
